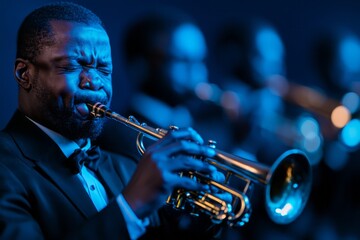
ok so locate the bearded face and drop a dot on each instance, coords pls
(63, 116)
(75, 70)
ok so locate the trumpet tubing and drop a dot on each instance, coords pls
(314, 101)
(287, 181)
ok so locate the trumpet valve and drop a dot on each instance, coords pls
(212, 143)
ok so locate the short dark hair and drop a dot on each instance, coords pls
(35, 31)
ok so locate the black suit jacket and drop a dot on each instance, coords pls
(40, 198)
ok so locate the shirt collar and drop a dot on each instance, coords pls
(66, 145)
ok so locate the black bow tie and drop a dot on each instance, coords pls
(88, 158)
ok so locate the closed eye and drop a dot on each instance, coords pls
(104, 70)
(68, 68)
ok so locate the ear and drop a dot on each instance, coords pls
(21, 72)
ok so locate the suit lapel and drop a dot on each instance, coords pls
(36, 146)
(70, 185)
(109, 175)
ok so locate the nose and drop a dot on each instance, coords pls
(89, 79)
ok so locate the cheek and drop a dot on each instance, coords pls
(107, 86)
(109, 94)
(64, 89)
(70, 82)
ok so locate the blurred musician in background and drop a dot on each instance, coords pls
(252, 59)
(336, 58)
(165, 53)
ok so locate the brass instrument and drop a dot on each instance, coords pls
(288, 181)
(312, 101)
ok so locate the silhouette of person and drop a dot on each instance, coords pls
(252, 55)
(252, 60)
(336, 58)
(165, 53)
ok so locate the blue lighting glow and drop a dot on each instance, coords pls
(285, 210)
(188, 51)
(309, 126)
(310, 131)
(350, 53)
(270, 45)
(350, 134)
(269, 60)
(351, 101)
(349, 61)
(310, 138)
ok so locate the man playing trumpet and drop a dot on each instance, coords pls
(53, 183)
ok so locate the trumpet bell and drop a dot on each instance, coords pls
(288, 186)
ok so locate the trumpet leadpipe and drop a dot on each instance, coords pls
(99, 110)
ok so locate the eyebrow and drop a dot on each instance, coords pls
(64, 58)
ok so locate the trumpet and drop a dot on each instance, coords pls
(287, 181)
(311, 100)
